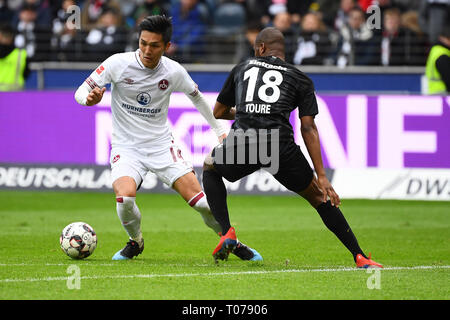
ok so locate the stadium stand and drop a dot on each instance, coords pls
(109, 26)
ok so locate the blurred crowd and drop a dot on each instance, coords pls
(317, 32)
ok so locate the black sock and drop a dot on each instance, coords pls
(335, 221)
(216, 193)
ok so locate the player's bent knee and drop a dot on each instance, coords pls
(125, 187)
(314, 200)
(125, 192)
(313, 194)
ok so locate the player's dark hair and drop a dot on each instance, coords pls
(157, 24)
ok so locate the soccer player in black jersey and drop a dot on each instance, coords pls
(259, 95)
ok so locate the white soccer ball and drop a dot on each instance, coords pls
(78, 240)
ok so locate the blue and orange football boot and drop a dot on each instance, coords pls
(362, 262)
(230, 244)
(227, 243)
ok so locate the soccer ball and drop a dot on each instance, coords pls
(78, 240)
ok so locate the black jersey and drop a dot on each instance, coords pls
(265, 90)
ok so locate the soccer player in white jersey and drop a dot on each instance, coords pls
(141, 85)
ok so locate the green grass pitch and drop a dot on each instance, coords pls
(302, 259)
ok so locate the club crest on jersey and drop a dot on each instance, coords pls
(163, 84)
(143, 98)
(116, 158)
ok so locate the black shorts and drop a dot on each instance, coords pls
(294, 171)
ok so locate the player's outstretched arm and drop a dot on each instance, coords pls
(205, 110)
(311, 137)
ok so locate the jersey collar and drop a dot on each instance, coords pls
(138, 59)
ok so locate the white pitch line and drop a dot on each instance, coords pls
(93, 264)
(215, 274)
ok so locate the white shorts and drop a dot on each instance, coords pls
(168, 164)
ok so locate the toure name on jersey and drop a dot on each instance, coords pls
(146, 112)
(258, 108)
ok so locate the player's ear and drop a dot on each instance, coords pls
(262, 48)
(258, 49)
(167, 46)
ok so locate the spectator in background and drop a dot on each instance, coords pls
(275, 7)
(93, 9)
(329, 10)
(295, 8)
(266, 10)
(189, 29)
(385, 5)
(416, 43)
(13, 61)
(342, 14)
(438, 65)
(393, 47)
(127, 8)
(245, 48)
(298, 9)
(256, 10)
(403, 5)
(314, 44)
(356, 44)
(107, 37)
(66, 41)
(61, 15)
(43, 12)
(283, 22)
(31, 36)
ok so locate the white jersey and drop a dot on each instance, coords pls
(140, 98)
